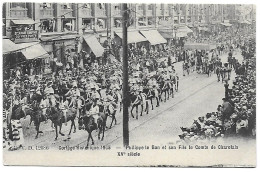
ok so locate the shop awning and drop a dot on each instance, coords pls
(154, 37)
(9, 46)
(33, 50)
(184, 29)
(226, 24)
(24, 22)
(132, 36)
(94, 45)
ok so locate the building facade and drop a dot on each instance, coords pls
(64, 28)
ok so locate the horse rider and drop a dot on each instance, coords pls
(74, 93)
(44, 104)
(64, 106)
(94, 111)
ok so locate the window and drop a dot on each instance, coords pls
(117, 22)
(68, 25)
(150, 7)
(101, 5)
(101, 23)
(142, 21)
(150, 21)
(117, 7)
(17, 5)
(140, 7)
(87, 23)
(47, 26)
(45, 5)
(66, 6)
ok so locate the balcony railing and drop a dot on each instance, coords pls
(149, 12)
(67, 12)
(159, 13)
(101, 13)
(86, 12)
(18, 12)
(166, 12)
(140, 12)
(117, 13)
(46, 12)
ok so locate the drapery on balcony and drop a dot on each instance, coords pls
(46, 12)
(67, 12)
(86, 12)
(18, 12)
(149, 12)
(101, 12)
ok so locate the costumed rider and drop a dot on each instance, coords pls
(94, 111)
(74, 93)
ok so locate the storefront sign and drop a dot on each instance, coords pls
(25, 36)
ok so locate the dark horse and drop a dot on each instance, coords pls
(88, 123)
(57, 118)
(136, 100)
(37, 117)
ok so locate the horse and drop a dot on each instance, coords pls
(111, 111)
(149, 96)
(88, 123)
(57, 118)
(136, 101)
(37, 117)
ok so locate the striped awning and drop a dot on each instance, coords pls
(23, 22)
(154, 37)
(33, 50)
(94, 45)
(9, 46)
(132, 36)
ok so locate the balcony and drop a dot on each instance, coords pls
(159, 13)
(46, 13)
(18, 12)
(140, 13)
(149, 12)
(117, 13)
(67, 12)
(101, 12)
(86, 12)
(166, 12)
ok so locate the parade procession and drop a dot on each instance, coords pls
(76, 74)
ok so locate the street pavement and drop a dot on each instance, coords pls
(198, 94)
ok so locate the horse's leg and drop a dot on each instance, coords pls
(113, 118)
(99, 131)
(151, 99)
(60, 130)
(132, 111)
(56, 130)
(37, 130)
(136, 111)
(103, 130)
(72, 123)
(92, 139)
(165, 96)
(88, 138)
(147, 107)
(158, 104)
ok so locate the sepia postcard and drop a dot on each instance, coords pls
(129, 84)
